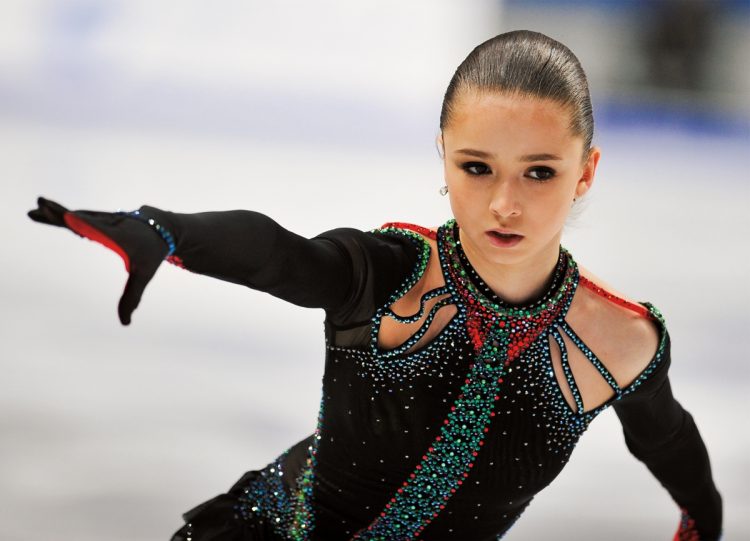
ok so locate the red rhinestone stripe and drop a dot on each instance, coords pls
(639, 309)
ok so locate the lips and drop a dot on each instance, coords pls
(504, 238)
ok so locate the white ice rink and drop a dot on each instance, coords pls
(110, 432)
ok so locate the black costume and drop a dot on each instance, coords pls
(449, 439)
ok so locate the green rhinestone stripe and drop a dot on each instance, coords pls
(451, 246)
(291, 516)
(450, 458)
(423, 256)
(499, 336)
(303, 515)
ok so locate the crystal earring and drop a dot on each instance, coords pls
(444, 189)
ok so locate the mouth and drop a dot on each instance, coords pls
(504, 238)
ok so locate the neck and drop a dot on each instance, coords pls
(516, 283)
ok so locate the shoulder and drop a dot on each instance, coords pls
(391, 245)
(406, 228)
(425, 240)
(380, 264)
(427, 272)
(625, 334)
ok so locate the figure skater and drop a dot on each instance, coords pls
(463, 363)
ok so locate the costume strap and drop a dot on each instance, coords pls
(411, 227)
(638, 308)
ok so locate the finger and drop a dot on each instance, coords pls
(131, 296)
(38, 216)
(48, 212)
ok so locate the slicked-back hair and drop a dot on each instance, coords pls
(527, 64)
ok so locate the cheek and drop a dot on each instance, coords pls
(559, 214)
(464, 203)
(462, 210)
(548, 209)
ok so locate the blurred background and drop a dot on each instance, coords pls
(324, 114)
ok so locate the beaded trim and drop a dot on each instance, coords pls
(291, 515)
(485, 291)
(484, 310)
(686, 530)
(163, 231)
(568, 372)
(657, 316)
(429, 233)
(431, 360)
(422, 302)
(592, 358)
(419, 333)
(620, 393)
(447, 462)
(303, 514)
(638, 308)
(423, 256)
(266, 495)
(499, 336)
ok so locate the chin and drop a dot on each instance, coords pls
(507, 258)
(505, 255)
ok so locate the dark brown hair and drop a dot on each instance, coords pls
(530, 64)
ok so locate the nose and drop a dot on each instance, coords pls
(505, 203)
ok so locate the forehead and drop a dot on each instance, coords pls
(493, 121)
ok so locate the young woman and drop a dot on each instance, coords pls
(464, 362)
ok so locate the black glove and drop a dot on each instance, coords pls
(141, 244)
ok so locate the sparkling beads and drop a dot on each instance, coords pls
(499, 335)
(501, 412)
(164, 233)
(686, 530)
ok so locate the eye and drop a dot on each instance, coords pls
(476, 168)
(540, 174)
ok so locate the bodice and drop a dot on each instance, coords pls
(450, 440)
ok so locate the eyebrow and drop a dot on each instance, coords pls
(477, 153)
(525, 158)
(539, 157)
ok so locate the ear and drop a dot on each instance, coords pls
(589, 170)
(440, 145)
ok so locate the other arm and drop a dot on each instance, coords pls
(333, 270)
(663, 435)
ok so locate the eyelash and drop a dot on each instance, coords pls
(547, 172)
(469, 165)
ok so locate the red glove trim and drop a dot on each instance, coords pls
(90, 232)
(686, 530)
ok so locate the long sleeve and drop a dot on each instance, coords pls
(663, 435)
(336, 270)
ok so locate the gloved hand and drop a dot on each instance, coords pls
(141, 245)
(687, 530)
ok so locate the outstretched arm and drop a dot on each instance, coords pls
(333, 270)
(662, 435)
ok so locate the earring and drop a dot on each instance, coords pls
(444, 189)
